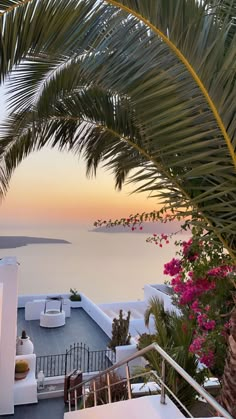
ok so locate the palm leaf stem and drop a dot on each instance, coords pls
(189, 67)
(14, 6)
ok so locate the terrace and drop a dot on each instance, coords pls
(79, 327)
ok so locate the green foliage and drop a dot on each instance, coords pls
(75, 296)
(174, 334)
(120, 331)
(118, 390)
(21, 366)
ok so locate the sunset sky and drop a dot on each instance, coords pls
(51, 187)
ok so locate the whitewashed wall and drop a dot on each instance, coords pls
(23, 299)
(150, 291)
(137, 309)
(8, 319)
(97, 315)
(123, 352)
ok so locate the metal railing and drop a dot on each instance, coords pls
(78, 357)
(51, 365)
(80, 391)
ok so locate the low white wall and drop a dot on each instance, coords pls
(61, 378)
(150, 291)
(137, 308)
(137, 327)
(125, 306)
(125, 351)
(97, 315)
(23, 299)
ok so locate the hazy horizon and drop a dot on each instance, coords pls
(106, 267)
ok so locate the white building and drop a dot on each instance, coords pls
(8, 325)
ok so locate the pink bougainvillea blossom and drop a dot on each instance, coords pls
(173, 267)
(208, 359)
(196, 344)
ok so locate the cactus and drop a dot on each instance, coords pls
(21, 366)
(120, 331)
(23, 334)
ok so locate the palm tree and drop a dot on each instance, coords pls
(174, 334)
(145, 88)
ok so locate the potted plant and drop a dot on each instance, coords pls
(21, 369)
(24, 345)
(75, 298)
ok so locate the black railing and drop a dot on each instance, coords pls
(78, 357)
(51, 365)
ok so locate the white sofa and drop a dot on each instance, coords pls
(25, 391)
(34, 308)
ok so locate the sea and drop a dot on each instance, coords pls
(106, 266)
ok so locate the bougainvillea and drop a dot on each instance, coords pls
(202, 281)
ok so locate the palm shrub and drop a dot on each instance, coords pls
(174, 334)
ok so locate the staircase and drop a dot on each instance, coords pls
(147, 406)
(157, 406)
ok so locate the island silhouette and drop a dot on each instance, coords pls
(11, 242)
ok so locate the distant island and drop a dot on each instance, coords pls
(146, 227)
(11, 242)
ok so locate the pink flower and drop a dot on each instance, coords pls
(205, 323)
(208, 359)
(173, 267)
(195, 306)
(196, 344)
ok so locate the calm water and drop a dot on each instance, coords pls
(105, 266)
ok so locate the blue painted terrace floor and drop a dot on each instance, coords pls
(78, 328)
(48, 408)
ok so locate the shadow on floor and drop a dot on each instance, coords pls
(44, 409)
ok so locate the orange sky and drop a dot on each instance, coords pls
(50, 186)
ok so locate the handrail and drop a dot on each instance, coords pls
(154, 346)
